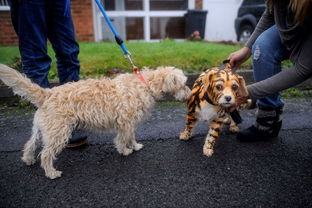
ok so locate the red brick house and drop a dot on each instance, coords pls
(164, 18)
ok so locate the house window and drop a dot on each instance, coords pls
(4, 5)
(135, 28)
(172, 27)
(143, 19)
(168, 5)
(123, 5)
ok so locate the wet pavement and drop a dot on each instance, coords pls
(167, 172)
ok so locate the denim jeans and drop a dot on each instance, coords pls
(35, 22)
(267, 54)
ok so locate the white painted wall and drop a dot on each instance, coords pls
(220, 19)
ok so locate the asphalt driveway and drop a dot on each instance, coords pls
(166, 172)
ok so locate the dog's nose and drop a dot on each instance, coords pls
(228, 98)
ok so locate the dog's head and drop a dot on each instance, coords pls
(224, 86)
(175, 84)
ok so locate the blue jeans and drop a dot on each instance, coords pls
(36, 21)
(267, 54)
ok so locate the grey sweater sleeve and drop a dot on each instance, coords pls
(287, 78)
(265, 22)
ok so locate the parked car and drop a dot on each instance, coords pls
(248, 16)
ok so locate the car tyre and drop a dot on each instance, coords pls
(245, 33)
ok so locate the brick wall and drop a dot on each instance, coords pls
(82, 17)
(7, 33)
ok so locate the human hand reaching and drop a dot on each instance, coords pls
(238, 57)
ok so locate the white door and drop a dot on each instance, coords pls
(220, 19)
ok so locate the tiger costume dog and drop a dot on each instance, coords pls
(214, 91)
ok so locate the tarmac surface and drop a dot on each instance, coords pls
(167, 172)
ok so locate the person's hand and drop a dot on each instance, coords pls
(238, 57)
(239, 101)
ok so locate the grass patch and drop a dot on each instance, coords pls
(296, 93)
(98, 58)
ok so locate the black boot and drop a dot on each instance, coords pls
(78, 140)
(268, 125)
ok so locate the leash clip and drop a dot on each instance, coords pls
(128, 56)
(136, 70)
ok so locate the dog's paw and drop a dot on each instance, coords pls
(185, 135)
(207, 151)
(227, 121)
(137, 146)
(54, 174)
(234, 128)
(29, 160)
(125, 151)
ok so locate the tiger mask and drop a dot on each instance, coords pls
(214, 91)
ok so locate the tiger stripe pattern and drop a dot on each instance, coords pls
(214, 91)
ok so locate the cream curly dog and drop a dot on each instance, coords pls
(118, 104)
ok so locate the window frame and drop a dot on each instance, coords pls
(4, 7)
(146, 14)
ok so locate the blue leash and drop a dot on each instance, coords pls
(110, 24)
(121, 44)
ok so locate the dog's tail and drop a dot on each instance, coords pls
(22, 86)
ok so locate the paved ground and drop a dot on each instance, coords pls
(166, 172)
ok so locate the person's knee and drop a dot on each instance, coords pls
(256, 51)
(268, 47)
(265, 50)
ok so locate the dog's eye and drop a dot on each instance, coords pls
(219, 87)
(234, 87)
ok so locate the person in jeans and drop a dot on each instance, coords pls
(35, 22)
(283, 32)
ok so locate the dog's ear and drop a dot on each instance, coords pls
(169, 82)
(206, 80)
(174, 80)
(242, 90)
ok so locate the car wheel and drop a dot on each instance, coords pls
(245, 33)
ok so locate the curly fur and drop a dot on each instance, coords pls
(118, 104)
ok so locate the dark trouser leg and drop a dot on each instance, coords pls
(61, 33)
(29, 21)
(62, 36)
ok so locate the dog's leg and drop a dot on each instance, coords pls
(132, 142)
(233, 127)
(55, 140)
(215, 128)
(190, 123)
(227, 120)
(30, 146)
(121, 142)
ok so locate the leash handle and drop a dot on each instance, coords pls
(225, 64)
(118, 39)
